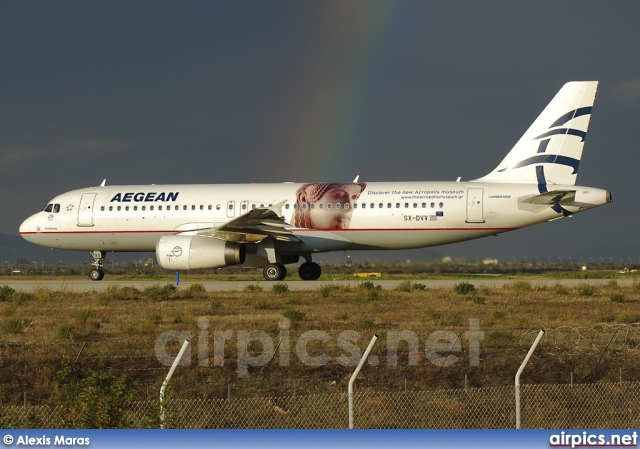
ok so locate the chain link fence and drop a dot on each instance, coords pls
(612, 405)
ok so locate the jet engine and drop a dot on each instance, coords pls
(186, 252)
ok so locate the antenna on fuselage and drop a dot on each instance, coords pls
(104, 182)
(357, 177)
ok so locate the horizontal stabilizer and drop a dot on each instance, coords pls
(552, 197)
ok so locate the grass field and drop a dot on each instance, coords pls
(51, 341)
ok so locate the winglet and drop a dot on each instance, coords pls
(277, 208)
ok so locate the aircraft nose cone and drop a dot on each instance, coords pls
(27, 229)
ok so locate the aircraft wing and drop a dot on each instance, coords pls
(253, 226)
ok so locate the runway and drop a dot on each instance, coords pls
(85, 285)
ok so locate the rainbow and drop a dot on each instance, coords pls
(333, 132)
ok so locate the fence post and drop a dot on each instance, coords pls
(355, 374)
(524, 363)
(166, 381)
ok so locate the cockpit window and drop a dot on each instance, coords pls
(56, 208)
(48, 208)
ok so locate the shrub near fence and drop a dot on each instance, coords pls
(613, 405)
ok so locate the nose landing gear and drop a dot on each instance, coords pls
(97, 273)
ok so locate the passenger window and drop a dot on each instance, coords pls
(143, 208)
(202, 207)
(126, 208)
(295, 206)
(433, 205)
(244, 206)
(193, 207)
(159, 207)
(210, 207)
(286, 206)
(424, 205)
(177, 208)
(184, 207)
(135, 207)
(321, 206)
(346, 205)
(328, 206)
(441, 205)
(364, 205)
(313, 205)
(102, 209)
(406, 205)
(119, 208)
(217, 207)
(415, 205)
(337, 205)
(388, 205)
(380, 205)
(151, 207)
(397, 205)
(110, 208)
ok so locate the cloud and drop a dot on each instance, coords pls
(628, 90)
(13, 154)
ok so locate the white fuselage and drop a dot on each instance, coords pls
(381, 216)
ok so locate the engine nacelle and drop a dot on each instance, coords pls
(187, 252)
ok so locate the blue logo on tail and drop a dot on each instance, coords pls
(543, 158)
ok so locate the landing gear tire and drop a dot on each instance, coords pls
(96, 275)
(274, 272)
(309, 271)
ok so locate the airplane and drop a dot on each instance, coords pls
(272, 225)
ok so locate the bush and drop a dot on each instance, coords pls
(325, 290)
(294, 317)
(261, 305)
(464, 288)
(6, 293)
(586, 290)
(252, 288)
(157, 292)
(99, 400)
(280, 287)
(408, 286)
(521, 286)
(628, 318)
(15, 325)
(368, 285)
(196, 288)
(617, 298)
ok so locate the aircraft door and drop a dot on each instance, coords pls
(475, 213)
(85, 211)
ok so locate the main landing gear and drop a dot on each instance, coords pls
(308, 271)
(97, 273)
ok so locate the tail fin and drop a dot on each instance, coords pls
(550, 151)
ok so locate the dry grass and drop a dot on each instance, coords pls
(40, 329)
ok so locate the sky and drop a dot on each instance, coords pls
(142, 92)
